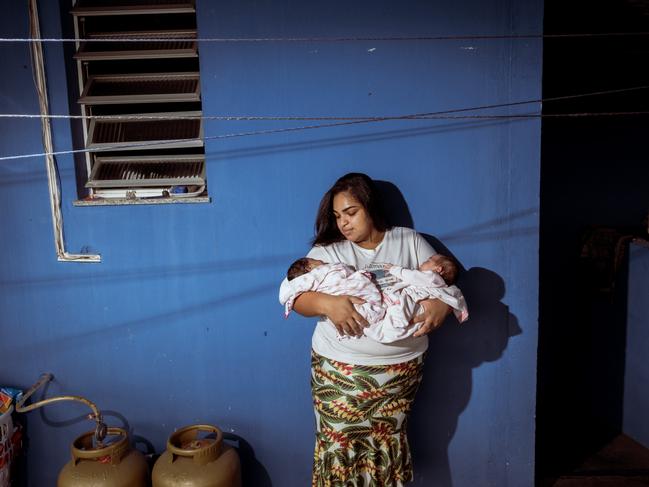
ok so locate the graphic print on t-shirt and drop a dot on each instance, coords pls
(382, 277)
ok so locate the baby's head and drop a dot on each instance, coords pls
(443, 265)
(302, 266)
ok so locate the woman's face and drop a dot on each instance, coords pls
(352, 219)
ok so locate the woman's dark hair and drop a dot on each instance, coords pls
(362, 188)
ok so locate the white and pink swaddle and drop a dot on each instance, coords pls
(388, 312)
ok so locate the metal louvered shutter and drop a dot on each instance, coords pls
(146, 134)
(149, 171)
(139, 84)
(175, 44)
(86, 8)
(141, 88)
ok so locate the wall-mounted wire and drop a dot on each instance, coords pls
(40, 82)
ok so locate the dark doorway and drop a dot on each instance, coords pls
(594, 196)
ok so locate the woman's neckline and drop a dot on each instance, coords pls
(374, 249)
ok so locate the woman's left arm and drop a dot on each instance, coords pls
(434, 314)
(434, 311)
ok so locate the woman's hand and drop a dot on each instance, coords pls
(431, 318)
(342, 313)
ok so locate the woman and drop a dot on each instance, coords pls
(362, 389)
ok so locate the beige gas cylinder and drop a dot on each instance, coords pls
(114, 465)
(192, 461)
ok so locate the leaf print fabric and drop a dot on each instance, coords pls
(361, 418)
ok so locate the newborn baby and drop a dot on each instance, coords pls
(337, 279)
(435, 278)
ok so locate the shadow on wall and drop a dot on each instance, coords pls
(253, 473)
(452, 354)
(376, 135)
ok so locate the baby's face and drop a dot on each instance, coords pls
(435, 263)
(313, 263)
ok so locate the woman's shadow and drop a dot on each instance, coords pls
(452, 354)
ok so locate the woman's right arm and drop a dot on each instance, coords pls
(339, 309)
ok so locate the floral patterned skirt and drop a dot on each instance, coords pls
(361, 417)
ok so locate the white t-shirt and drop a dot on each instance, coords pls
(400, 246)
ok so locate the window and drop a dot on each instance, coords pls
(141, 99)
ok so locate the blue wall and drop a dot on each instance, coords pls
(180, 322)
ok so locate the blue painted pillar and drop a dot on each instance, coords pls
(636, 374)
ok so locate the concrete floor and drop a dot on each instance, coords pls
(622, 463)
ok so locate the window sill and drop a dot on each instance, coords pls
(142, 201)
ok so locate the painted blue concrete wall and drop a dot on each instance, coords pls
(180, 322)
(636, 371)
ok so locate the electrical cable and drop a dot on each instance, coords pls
(416, 116)
(320, 126)
(334, 39)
